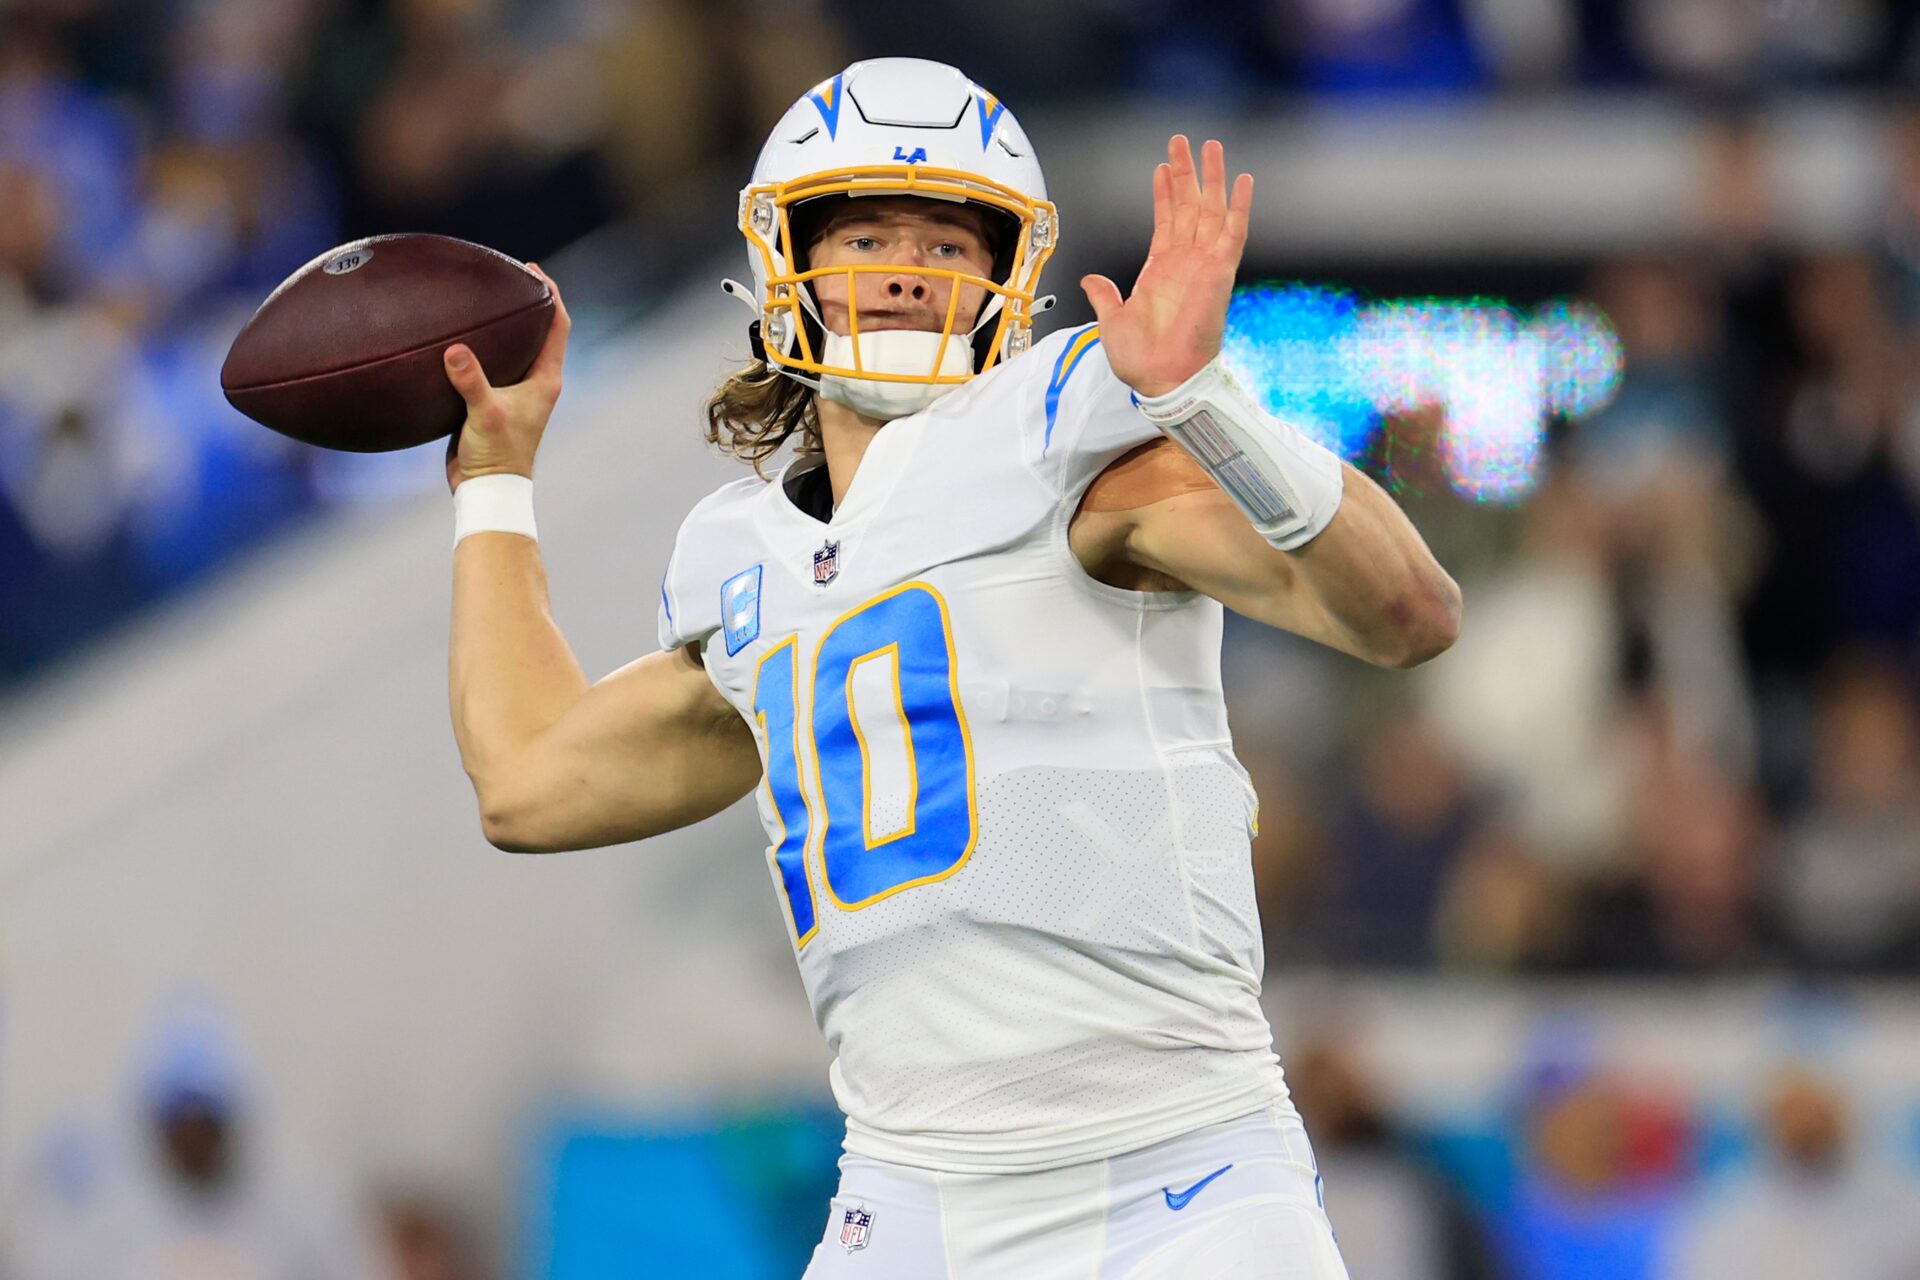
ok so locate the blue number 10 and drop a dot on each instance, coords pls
(858, 866)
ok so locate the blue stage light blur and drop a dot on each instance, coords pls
(1338, 368)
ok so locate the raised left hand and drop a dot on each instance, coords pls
(1171, 325)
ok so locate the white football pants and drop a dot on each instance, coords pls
(1234, 1201)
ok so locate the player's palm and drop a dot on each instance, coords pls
(504, 425)
(1170, 326)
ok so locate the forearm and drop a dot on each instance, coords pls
(511, 674)
(1365, 584)
(1372, 576)
(1341, 561)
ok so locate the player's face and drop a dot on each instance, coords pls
(904, 231)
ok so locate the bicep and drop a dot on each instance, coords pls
(647, 749)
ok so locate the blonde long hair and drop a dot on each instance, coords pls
(759, 409)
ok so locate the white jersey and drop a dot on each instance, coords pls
(1008, 830)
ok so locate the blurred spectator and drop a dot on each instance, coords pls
(1289, 859)
(70, 474)
(196, 1192)
(1902, 233)
(1656, 460)
(1692, 902)
(1501, 908)
(1849, 873)
(1527, 698)
(435, 149)
(1379, 47)
(1809, 1208)
(1392, 848)
(218, 221)
(1067, 53)
(46, 1234)
(1736, 207)
(1843, 543)
(1668, 407)
(1735, 44)
(29, 221)
(675, 146)
(425, 1241)
(1530, 45)
(1396, 1220)
(1682, 560)
(1599, 1179)
(82, 143)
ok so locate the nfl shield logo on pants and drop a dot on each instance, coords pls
(826, 564)
(855, 1227)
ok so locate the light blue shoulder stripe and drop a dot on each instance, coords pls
(1070, 356)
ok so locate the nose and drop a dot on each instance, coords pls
(908, 286)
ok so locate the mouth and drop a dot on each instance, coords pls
(896, 320)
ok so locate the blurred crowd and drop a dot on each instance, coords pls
(185, 1178)
(1679, 733)
(1243, 50)
(1572, 1167)
(164, 163)
(1587, 1171)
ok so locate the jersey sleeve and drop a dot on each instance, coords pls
(671, 636)
(689, 593)
(1082, 417)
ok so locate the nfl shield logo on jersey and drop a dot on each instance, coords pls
(826, 564)
(855, 1227)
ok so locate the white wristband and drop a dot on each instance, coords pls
(1287, 484)
(493, 504)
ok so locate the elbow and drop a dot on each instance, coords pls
(1427, 622)
(509, 826)
(505, 836)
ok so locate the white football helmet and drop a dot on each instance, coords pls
(894, 126)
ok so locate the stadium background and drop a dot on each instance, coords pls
(1592, 945)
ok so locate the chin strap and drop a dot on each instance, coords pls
(902, 351)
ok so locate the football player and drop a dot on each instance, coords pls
(964, 649)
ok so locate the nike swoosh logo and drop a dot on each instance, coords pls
(1180, 1199)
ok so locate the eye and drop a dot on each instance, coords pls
(948, 250)
(863, 243)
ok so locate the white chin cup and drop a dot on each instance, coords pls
(902, 351)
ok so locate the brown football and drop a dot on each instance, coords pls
(346, 352)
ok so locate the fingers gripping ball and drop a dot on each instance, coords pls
(346, 353)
